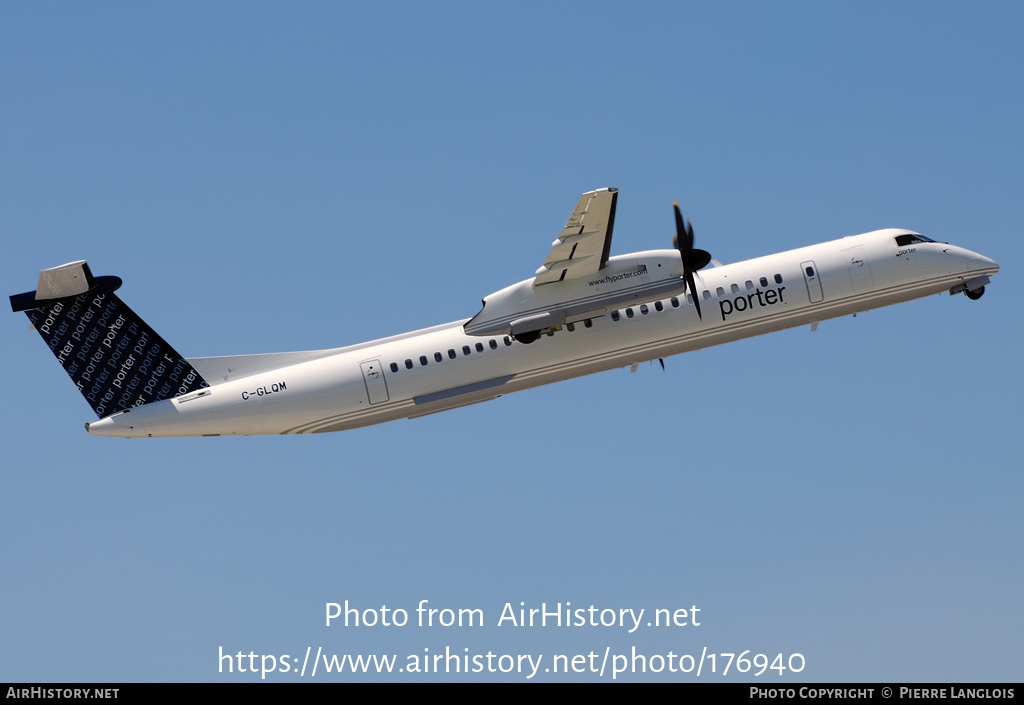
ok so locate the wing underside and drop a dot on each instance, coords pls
(582, 247)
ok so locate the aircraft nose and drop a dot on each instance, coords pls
(983, 264)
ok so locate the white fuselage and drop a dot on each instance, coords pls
(442, 367)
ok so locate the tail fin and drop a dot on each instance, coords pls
(115, 359)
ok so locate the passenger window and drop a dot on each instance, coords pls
(778, 278)
(750, 285)
(721, 292)
(423, 360)
(479, 347)
(508, 341)
(451, 353)
(437, 357)
(735, 288)
(629, 312)
(615, 315)
(466, 350)
(588, 323)
(659, 306)
(707, 295)
(764, 281)
(570, 327)
(493, 343)
(675, 302)
(408, 364)
(394, 367)
(643, 309)
(810, 271)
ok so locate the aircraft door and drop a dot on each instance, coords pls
(813, 281)
(373, 378)
(859, 269)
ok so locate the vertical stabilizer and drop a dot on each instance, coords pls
(112, 356)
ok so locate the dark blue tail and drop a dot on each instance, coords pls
(115, 359)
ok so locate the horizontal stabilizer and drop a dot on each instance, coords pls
(64, 282)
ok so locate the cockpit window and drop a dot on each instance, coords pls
(910, 238)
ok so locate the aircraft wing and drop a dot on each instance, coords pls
(582, 247)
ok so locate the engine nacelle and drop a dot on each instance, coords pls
(524, 308)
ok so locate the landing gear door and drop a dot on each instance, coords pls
(373, 377)
(813, 281)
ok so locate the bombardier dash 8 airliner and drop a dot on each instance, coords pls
(583, 311)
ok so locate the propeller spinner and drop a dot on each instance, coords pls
(693, 259)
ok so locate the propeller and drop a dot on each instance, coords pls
(693, 259)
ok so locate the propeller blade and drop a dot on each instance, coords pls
(693, 259)
(684, 234)
(688, 275)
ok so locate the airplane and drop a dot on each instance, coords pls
(583, 311)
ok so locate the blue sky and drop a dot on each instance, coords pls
(267, 177)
